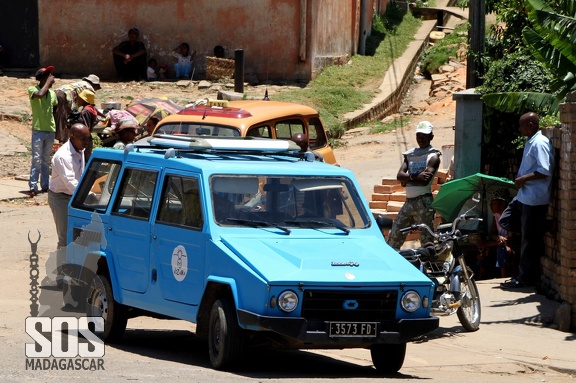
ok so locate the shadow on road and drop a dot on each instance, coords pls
(181, 346)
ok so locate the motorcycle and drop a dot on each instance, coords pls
(443, 262)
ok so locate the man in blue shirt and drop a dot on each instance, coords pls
(526, 213)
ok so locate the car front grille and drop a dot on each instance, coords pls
(375, 306)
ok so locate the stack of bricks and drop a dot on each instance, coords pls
(389, 197)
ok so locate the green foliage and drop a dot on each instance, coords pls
(505, 36)
(548, 36)
(462, 3)
(439, 54)
(96, 141)
(338, 90)
(549, 121)
(517, 72)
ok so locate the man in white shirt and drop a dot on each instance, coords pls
(67, 168)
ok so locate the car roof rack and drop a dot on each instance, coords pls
(241, 145)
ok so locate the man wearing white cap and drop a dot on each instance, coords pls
(417, 172)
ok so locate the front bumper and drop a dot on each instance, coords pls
(297, 329)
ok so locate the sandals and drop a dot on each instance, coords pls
(514, 283)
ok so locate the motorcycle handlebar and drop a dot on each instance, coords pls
(424, 227)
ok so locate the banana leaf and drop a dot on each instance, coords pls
(541, 103)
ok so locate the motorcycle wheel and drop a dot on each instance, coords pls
(469, 310)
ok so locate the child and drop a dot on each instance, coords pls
(152, 70)
(499, 239)
(183, 67)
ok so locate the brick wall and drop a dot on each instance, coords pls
(559, 262)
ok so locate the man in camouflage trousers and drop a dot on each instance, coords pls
(417, 172)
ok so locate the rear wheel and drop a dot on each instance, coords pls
(101, 303)
(469, 310)
(225, 338)
(388, 358)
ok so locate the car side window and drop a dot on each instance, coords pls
(287, 128)
(180, 204)
(136, 193)
(97, 186)
(260, 131)
(316, 134)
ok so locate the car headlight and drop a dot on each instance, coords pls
(287, 301)
(410, 301)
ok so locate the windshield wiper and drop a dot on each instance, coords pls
(254, 223)
(302, 222)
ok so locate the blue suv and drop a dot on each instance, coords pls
(255, 242)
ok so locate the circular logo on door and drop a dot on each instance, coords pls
(179, 263)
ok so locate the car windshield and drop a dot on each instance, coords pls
(287, 201)
(196, 129)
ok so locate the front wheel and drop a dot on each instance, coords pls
(225, 337)
(101, 303)
(388, 358)
(469, 310)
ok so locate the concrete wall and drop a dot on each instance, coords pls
(280, 37)
(333, 42)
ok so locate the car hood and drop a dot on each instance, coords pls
(324, 260)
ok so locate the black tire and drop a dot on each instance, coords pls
(388, 358)
(469, 312)
(225, 338)
(101, 303)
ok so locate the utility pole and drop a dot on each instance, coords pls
(476, 36)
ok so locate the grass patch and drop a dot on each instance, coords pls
(439, 54)
(396, 123)
(341, 89)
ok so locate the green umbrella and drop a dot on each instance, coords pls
(455, 193)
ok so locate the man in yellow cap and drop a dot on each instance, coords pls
(88, 116)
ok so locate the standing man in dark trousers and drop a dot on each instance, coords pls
(526, 213)
(67, 168)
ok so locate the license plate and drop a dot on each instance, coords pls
(353, 329)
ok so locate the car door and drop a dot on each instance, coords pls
(129, 229)
(178, 239)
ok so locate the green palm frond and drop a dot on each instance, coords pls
(564, 67)
(514, 102)
(560, 20)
